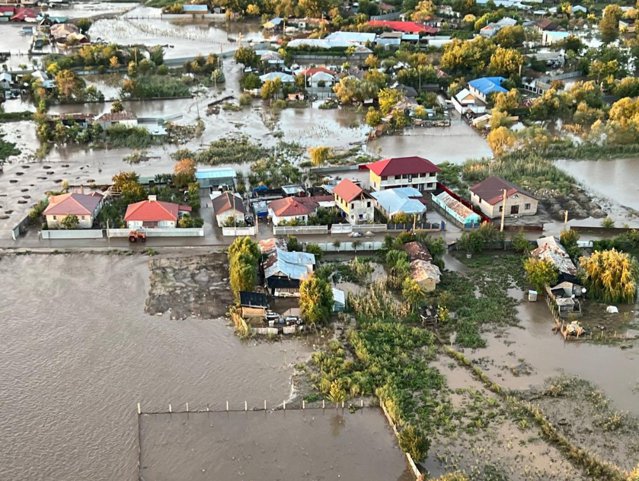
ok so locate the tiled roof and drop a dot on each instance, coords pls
(407, 27)
(226, 202)
(313, 70)
(292, 207)
(492, 189)
(116, 116)
(347, 190)
(403, 165)
(154, 211)
(73, 204)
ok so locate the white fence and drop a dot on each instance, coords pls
(239, 231)
(168, 232)
(341, 229)
(72, 234)
(370, 227)
(300, 230)
(351, 246)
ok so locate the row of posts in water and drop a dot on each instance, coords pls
(337, 406)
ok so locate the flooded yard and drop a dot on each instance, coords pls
(288, 445)
(79, 352)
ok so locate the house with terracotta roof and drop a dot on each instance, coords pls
(84, 206)
(355, 202)
(291, 209)
(488, 196)
(318, 76)
(229, 208)
(108, 119)
(414, 171)
(153, 213)
(406, 27)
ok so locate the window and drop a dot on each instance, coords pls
(527, 207)
(501, 208)
(384, 178)
(368, 204)
(361, 216)
(55, 217)
(352, 205)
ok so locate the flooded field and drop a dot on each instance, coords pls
(607, 178)
(185, 37)
(79, 353)
(286, 445)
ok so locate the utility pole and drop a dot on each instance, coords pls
(566, 219)
(503, 210)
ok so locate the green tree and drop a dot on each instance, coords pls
(316, 300)
(424, 10)
(346, 90)
(68, 84)
(70, 222)
(540, 273)
(244, 256)
(413, 441)
(116, 107)
(413, 292)
(247, 57)
(84, 24)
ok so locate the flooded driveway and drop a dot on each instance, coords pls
(79, 353)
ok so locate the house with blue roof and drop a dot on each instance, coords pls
(483, 87)
(403, 200)
(283, 271)
(209, 178)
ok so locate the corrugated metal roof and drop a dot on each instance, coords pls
(217, 173)
(294, 265)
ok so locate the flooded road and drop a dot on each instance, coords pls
(283, 445)
(79, 353)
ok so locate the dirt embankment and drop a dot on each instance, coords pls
(195, 286)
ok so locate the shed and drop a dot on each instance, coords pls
(253, 304)
(456, 210)
(215, 177)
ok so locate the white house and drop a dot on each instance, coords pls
(318, 77)
(153, 213)
(354, 202)
(83, 206)
(553, 37)
(465, 102)
(228, 208)
(108, 119)
(488, 195)
(291, 209)
(400, 201)
(5, 80)
(396, 172)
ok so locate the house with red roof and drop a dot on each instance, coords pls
(153, 213)
(354, 202)
(84, 206)
(292, 209)
(395, 172)
(318, 76)
(488, 195)
(405, 27)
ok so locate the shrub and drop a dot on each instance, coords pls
(414, 442)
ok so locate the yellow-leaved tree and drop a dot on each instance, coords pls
(611, 275)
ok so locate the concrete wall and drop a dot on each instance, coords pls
(84, 221)
(192, 232)
(300, 230)
(72, 234)
(239, 231)
(350, 246)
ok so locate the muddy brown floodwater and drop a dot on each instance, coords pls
(281, 445)
(79, 352)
